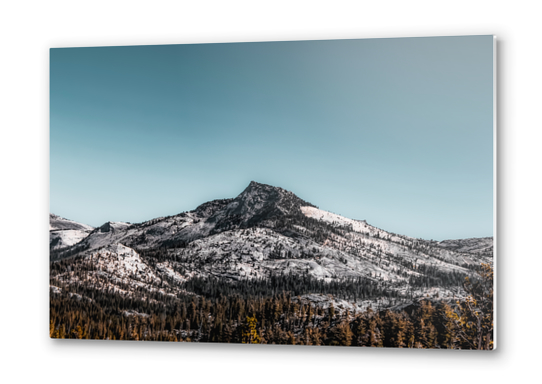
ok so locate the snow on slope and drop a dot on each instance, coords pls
(388, 250)
(148, 235)
(260, 252)
(64, 233)
(356, 225)
(57, 223)
(115, 268)
(121, 260)
(107, 234)
(62, 239)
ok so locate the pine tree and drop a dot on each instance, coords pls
(341, 334)
(425, 331)
(445, 326)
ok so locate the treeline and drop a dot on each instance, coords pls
(298, 284)
(281, 319)
(432, 276)
(217, 310)
(351, 289)
(213, 287)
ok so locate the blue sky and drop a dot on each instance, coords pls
(395, 131)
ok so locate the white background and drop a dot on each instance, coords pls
(28, 29)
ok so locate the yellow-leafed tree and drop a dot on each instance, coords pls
(473, 318)
(250, 333)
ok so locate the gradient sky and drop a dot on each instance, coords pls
(395, 131)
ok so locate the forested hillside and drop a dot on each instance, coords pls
(269, 267)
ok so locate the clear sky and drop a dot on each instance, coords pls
(395, 131)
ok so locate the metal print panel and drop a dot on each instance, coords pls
(325, 193)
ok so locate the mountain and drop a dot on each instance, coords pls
(263, 233)
(265, 267)
(64, 233)
(482, 246)
(257, 205)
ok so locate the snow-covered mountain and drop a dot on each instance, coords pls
(64, 232)
(262, 233)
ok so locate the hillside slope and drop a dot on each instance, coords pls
(263, 233)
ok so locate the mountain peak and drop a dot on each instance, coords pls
(113, 226)
(255, 183)
(265, 193)
(260, 202)
(255, 186)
